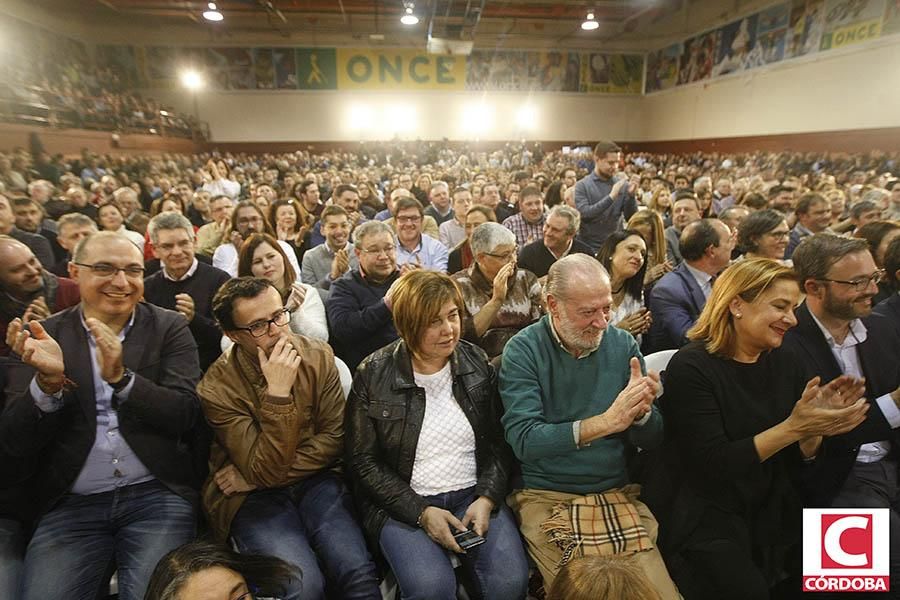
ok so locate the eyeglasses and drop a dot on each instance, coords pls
(780, 234)
(415, 219)
(260, 328)
(506, 256)
(861, 284)
(387, 251)
(107, 270)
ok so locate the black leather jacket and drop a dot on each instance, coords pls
(383, 420)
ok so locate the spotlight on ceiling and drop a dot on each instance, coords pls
(590, 23)
(408, 17)
(192, 80)
(212, 13)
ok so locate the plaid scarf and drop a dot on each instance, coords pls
(598, 524)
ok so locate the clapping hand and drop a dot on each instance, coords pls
(36, 311)
(296, 298)
(829, 410)
(109, 350)
(36, 348)
(184, 304)
(634, 401)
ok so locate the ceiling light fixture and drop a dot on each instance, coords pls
(212, 14)
(408, 17)
(590, 23)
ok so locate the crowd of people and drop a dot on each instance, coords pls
(426, 364)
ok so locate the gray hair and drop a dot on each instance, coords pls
(570, 271)
(76, 219)
(438, 184)
(124, 191)
(168, 221)
(370, 228)
(488, 236)
(568, 213)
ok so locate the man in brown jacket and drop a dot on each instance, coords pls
(276, 406)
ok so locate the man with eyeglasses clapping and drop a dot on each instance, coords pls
(104, 394)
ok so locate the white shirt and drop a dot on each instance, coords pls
(445, 454)
(847, 358)
(704, 279)
(190, 272)
(226, 258)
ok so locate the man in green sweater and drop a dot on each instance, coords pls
(575, 397)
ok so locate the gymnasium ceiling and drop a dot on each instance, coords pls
(624, 24)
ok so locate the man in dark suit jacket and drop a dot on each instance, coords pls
(888, 310)
(678, 297)
(858, 469)
(104, 394)
(559, 240)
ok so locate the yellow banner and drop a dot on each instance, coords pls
(852, 34)
(359, 69)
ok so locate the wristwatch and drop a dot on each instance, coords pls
(121, 384)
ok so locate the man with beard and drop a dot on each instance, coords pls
(332, 258)
(576, 400)
(27, 291)
(38, 244)
(415, 250)
(858, 469)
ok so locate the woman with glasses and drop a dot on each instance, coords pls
(205, 571)
(262, 256)
(765, 234)
(499, 298)
(425, 452)
(461, 256)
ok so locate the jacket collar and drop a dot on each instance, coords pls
(460, 364)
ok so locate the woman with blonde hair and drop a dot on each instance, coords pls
(742, 423)
(661, 204)
(614, 577)
(650, 225)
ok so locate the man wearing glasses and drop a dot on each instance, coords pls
(414, 250)
(858, 469)
(104, 394)
(359, 308)
(276, 405)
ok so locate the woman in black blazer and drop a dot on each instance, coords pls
(743, 425)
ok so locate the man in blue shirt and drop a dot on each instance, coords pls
(104, 395)
(603, 200)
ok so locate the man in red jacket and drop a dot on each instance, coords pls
(27, 290)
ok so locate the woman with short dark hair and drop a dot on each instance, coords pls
(425, 452)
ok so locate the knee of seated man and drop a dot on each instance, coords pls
(433, 582)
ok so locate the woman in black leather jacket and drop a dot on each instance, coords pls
(425, 450)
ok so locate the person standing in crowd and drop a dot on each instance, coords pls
(831, 340)
(602, 200)
(105, 393)
(328, 261)
(678, 297)
(275, 403)
(451, 475)
(183, 283)
(359, 308)
(558, 240)
(740, 419)
(575, 399)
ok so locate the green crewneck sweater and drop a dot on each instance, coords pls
(545, 389)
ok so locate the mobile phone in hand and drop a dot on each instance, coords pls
(468, 539)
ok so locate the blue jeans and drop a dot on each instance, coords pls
(12, 551)
(497, 567)
(77, 544)
(310, 524)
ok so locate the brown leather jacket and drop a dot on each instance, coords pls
(272, 441)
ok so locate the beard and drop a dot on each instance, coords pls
(847, 309)
(579, 340)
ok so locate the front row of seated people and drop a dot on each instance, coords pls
(105, 403)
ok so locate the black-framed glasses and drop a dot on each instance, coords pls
(107, 270)
(505, 257)
(260, 328)
(861, 284)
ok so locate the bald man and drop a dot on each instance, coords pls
(27, 290)
(104, 395)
